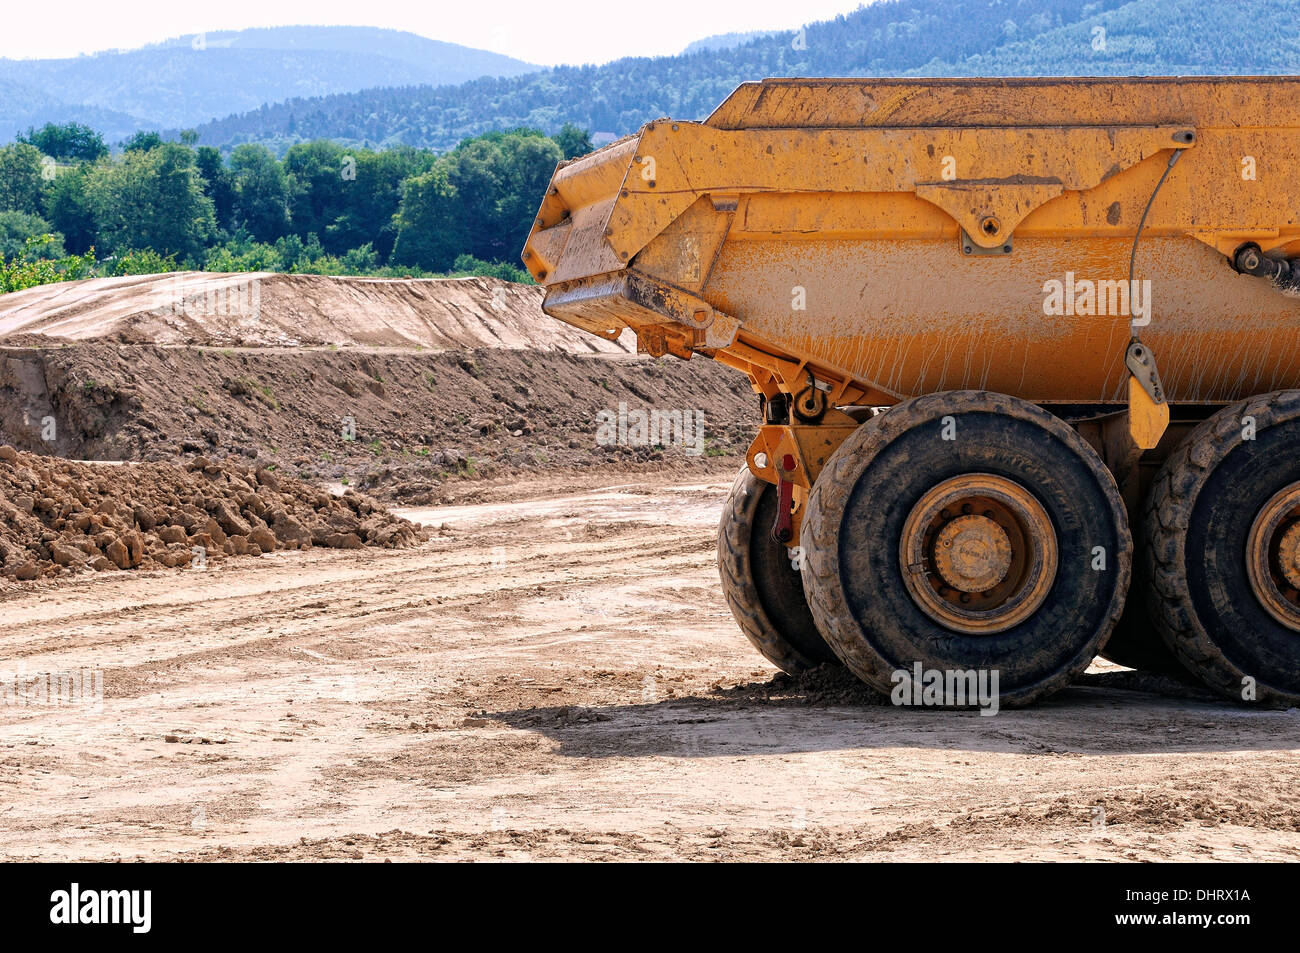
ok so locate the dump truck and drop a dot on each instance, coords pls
(1026, 355)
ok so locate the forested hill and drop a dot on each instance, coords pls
(891, 37)
(189, 80)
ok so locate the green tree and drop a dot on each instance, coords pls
(67, 206)
(528, 162)
(320, 174)
(21, 166)
(218, 184)
(499, 179)
(151, 200)
(431, 229)
(372, 198)
(573, 142)
(474, 171)
(69, 140)
(261, 202)
(142, 142)
(325, 209)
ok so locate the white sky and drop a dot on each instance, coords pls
(547, 32)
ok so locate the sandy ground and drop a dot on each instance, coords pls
(559, 678)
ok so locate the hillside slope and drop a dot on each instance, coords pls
(24, 106)
(188, 80)
(895, 37)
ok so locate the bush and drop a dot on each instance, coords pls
(17, 227)
(136, 262)
(361, 261)
(468, 265)
(30, 269)
(243, 255)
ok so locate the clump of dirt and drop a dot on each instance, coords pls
(404, 425)
(818, 687)
(59, 516)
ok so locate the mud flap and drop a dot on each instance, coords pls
(1148, 411)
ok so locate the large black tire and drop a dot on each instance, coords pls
(1198, 520)
(857, 511)
(760, 583)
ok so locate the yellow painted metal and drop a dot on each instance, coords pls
(573, 216)
(1147, 420)
(1003, 172)
(820, 227)
(805, 447)
(809, 446)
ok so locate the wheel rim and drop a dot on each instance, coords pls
(1273, 556)
(978, 553)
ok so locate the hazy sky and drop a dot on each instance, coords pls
(559, 31)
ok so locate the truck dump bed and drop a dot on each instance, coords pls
(893, 238)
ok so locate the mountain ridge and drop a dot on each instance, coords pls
(889, 38)
(185, 81)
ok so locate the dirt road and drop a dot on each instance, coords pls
(559, 678)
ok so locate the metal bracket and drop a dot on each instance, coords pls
(1148, 413)
(1141, 364)
(970, 247)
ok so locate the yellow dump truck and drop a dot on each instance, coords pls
(1027, 354)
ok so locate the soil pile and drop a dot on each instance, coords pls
(60, 516)
(406, 388)
(401, 424)
(262, 309)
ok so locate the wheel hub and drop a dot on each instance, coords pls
(972, 553)
(1288, 556)
(1273, 556)
(979, 553)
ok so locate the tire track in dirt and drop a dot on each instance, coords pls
(271, 611)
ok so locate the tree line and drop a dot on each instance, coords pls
(888, 38)
(68, 204)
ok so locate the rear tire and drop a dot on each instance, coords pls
(1231, 612)
(761, 586)
(1026, 564)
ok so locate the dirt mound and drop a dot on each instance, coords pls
(58, 516)
(399, 423)
(402, 387)
(263, 309)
